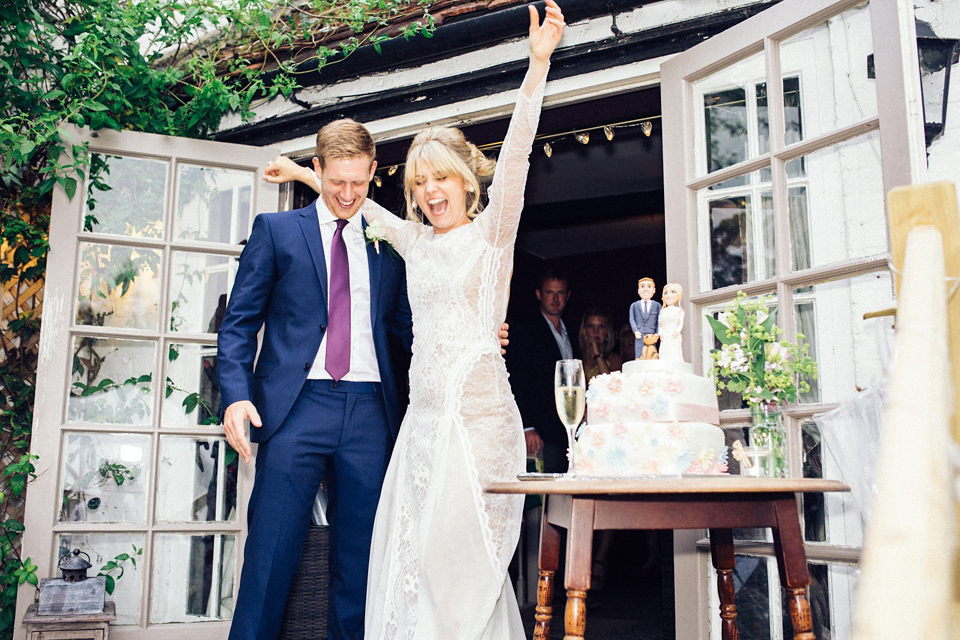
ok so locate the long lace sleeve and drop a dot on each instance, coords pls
(399, 232)
(500, 219)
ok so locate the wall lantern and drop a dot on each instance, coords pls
(936, 55)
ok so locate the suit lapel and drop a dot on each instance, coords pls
(310, 225)
(375, 262)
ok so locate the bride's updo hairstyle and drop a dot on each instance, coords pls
(448, 153)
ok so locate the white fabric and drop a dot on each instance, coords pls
(671, 321)
(441, 546)
(561, 337)
(363, 357)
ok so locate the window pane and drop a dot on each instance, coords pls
(831, 587)
(198, 291)
(830, 61)
(118, 286)
(111, 381)
(197, 574)
(128, 196)
(834, 518)
(791, 119)
(105, 477)
(197, 480)
(191, 391)
(757, 592)
(723, 131)
(102, 548)
(213, 204)
(844, 203)
(844, 345)
(738, 223)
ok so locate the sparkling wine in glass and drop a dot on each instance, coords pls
(570, 394)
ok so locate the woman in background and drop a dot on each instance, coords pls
(597, 344)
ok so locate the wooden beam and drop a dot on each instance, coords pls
(934, 204)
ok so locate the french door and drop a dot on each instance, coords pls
(780, 141)
(131, 458)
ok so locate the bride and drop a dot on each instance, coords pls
(441, 546)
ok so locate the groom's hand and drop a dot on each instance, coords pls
(504, 336)
(234, 426)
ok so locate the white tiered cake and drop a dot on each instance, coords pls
(654, 418)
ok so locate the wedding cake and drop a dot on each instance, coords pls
(654, 418)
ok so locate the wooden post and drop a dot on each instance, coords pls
(935, 204)
(914, 511)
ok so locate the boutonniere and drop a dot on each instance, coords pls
(376, 232)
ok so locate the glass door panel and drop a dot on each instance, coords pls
(725, 129)
(213, 204)
(118, 286)
(103, 548)
(127, 196)
(829, 61)
(131, 419)
(105, 477)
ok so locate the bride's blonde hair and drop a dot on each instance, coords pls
(447, 151)
(676, 286)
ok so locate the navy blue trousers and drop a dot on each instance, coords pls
(337, 429)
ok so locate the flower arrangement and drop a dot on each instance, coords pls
(767, 371)
(752, 360)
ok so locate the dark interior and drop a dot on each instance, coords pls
(592, 210)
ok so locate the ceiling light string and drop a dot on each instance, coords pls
(582, 136)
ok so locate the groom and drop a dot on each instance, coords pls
(322, 398)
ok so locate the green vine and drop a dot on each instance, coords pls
(157, 66)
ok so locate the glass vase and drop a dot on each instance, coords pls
(767, 433)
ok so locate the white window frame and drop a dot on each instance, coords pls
(53, 372)
(900, 125)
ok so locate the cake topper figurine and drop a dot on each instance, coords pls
(644, 315)
(671, 323)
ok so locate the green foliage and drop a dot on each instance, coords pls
(157, 66)
(117, 565)
(752, 359)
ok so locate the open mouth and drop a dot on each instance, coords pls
(438, 206)
(346, 204)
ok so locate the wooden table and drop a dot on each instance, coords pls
(717, 503)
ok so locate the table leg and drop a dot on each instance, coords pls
(577, 572)
(576, 614)
(792, 563)
(548, 563)
(724, 561)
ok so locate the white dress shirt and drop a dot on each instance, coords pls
(363, 357)
(562, 338)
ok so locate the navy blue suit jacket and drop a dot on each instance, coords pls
(281, 285)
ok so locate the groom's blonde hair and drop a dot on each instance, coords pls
(344, 138)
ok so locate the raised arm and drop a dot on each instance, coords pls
(502, 216)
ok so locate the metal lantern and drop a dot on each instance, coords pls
(75, 592)
(73, 567)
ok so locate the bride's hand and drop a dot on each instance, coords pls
(282, 169)
(544, 37)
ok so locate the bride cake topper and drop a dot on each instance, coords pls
(670, 323)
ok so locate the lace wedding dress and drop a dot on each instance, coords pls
(441, 546)
(671, 322)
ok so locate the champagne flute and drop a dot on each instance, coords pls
(570, 394)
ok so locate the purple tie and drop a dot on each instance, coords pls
(338, 316)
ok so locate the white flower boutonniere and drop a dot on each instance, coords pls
(376, 233)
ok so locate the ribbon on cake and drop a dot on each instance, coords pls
(686, 412)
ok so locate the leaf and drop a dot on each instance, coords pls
(720, 330)
(69, 186)
(110, 583)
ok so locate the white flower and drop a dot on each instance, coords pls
(376, 233)
(733, 358)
